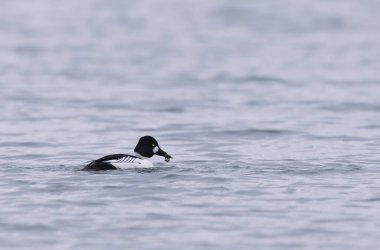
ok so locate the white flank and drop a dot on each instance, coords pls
(137, 163)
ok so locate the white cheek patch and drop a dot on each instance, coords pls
(155, 149)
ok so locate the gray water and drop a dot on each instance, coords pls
(271, 110)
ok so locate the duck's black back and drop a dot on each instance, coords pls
(98, 166)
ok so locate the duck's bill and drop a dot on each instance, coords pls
(161, 152)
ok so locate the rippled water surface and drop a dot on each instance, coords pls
(271, 110)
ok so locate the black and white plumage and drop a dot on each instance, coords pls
(146, 147)
(105, 163)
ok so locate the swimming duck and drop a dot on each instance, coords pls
(146, 147)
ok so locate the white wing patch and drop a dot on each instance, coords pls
(125, 159)
(136, 163)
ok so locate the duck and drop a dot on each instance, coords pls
(146, 147)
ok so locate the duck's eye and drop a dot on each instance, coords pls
(153, 145)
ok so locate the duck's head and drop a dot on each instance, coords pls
(148, 146)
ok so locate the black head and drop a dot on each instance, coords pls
(148, 146)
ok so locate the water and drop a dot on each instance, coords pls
(269, 108)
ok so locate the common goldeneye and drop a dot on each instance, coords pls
(145, 148)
